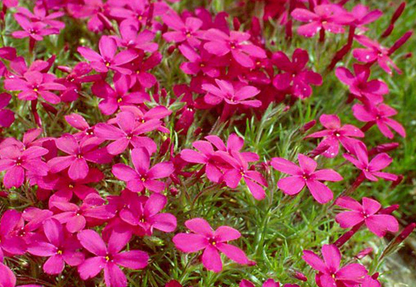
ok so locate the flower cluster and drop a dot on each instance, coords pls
(108, 142)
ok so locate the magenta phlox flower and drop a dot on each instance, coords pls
(142, 176)
(66, 188)
(79, 154)
(40, 15)
(32, 30)
(305, 174)
(359, 85)
(73, 80)
(241, 170)
(141, 67)
(374, 52)
(92, 211)
(128, 133)
(335, 134)
(35, 84)
(329, 271)
(113, 99)
(380, 115)
(137, 12)
(143, 116)
(236, 43)
(370, 169)
(18, 163)
(108, 59)
(212, 242)
(109, 257)
(95, 10)
(184, 30)
(78, 122)
(364, 16)
(230, 94)
(10, 242)
(327, 17)
(144, 213)
(61, 248)
(202, 62)
(214, 165)
(367, 212)
(132, 38)
(295, 77)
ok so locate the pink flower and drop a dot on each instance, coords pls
(108, 59)
(330, 274)
(79, 153)
(368, 213)
(142, 176)
(141, 70)
(359, 85)
(35, 84)
(95, 11)
(188, 31)
(374, 52)
(131, 38)
(307, 175)
(6, 116)
(128, 133)
(137, 12)
(41, 15)
(205, 156)
(143, 212)
(9, 241)
(296, 78)
(19, 164)
(225, 91)
(363, 16)
(76, 217)
(240, 170)
(78, 122)
(379, 115)
(236, 43)
(372, 169)
(328, 17)
(7, 277)
(334, 134)
(34, 30)
(67, 187)
(60, 248)
(109, 257)
(119, 96)
(201, 62)
(212, 242)
(73, 80)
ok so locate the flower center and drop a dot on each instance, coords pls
(19, 161)
(213, 241)
(59, 252)
(119, 100)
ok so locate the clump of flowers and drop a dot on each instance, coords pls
(138, 139)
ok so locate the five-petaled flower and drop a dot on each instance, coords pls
(109, 257)
(212, 242)
(367, 212)
(305, 174)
